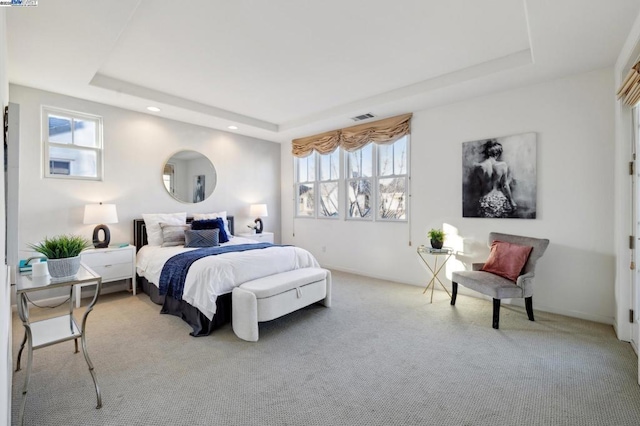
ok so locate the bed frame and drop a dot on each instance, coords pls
(200, 324)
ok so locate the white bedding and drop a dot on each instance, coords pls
(212, 276)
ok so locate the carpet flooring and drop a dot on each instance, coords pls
(381, 355)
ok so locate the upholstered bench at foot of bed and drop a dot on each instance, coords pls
(271, 297)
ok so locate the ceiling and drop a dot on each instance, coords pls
(282, 69)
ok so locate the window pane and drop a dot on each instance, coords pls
(311, 165)
(307, 168)
(81, 162)
(59, 167)
(328, 199)
(400, 156)
(392, 159)
(329, 166)
(385, 160)
(306, 202)
(59, 129)
(359, 198)
(84, 133)
(361, 163)
(302, 170)
(392, 198)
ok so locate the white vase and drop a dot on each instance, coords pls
(63, 268)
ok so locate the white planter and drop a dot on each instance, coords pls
(63, 268)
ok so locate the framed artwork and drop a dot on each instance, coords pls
(198, 188)
(499, 177)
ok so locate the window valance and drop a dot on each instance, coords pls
(353, 138)
(629, 91)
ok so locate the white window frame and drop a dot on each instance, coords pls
(46, 144)
(375, 183)
(406, 177)
(298, 182)
(370, 179)
(337, 181)
(343, 186)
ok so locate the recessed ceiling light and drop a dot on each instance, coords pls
(154, 109)
(233, 127)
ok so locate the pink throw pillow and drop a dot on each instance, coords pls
(507, 260)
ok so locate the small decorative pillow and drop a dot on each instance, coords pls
(507, 260)
(222, 215)
(152, 222)
(202, 238)
(172, 235)
(217, 223)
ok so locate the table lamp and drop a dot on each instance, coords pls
(100, 214)
(259, 210)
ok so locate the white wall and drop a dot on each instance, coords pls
(623, 224)
(573, 120)
(5, 292)
(136, 147)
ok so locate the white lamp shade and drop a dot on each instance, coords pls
(258, 210)
(100, 213)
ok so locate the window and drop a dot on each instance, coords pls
(72, 144)
(392, 180)
(359, 182)
(328, 184)
(306, 176)
(375, 181)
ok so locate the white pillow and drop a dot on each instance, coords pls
(152, 222)
(223, 215)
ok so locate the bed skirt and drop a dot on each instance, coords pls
(200, 324)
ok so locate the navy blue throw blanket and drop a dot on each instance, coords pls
(174, 271)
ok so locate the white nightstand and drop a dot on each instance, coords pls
(265, 237)
(112, 264)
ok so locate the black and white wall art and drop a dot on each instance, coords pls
(198, 188)
(499, 177)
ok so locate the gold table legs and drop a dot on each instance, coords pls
(434, 272)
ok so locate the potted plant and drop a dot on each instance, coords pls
(62, 253)
(437, 238)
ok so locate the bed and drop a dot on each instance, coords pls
(206, 302)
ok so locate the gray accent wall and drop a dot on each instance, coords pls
(136, 147)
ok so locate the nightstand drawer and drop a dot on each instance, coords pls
(118, 271)
(107, 257)
(265, 237)
(112, 264)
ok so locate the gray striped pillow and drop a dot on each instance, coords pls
(173, 235)
(202, 238)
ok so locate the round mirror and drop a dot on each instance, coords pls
(189, 176)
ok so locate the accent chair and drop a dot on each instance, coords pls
(497, 286)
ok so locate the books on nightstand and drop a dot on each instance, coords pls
(26, 265)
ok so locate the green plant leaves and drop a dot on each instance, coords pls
(61, 246)
(436, 234)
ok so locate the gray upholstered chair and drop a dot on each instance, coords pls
(502, 288)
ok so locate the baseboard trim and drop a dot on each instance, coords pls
(462, 290)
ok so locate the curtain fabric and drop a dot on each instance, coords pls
(353, 138)
(629, 91)
(324, 143)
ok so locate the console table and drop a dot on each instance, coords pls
(427, 254)
(51, 331)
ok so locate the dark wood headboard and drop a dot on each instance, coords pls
(140, 231)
